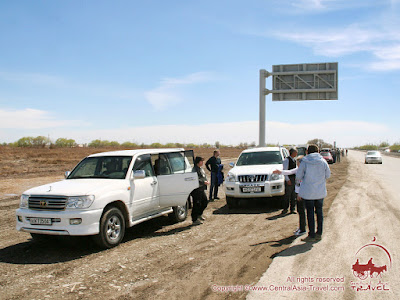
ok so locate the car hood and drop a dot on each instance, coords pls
(255, 169)
(75, 187)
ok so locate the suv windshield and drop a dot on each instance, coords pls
(112, 167)
(260, 158)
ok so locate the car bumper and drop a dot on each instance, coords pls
(373, 160)
(268, 189)
(60, 224)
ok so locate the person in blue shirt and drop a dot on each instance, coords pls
(313, 173)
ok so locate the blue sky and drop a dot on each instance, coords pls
(186, 71)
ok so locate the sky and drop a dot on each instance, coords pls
(188, 71)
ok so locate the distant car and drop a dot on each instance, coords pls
(373, 157)
(328, 157)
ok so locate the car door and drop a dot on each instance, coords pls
(144, 191)
(176, 180)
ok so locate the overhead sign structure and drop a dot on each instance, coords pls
(298, 82)
(305, 82)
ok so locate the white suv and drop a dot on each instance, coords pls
(251, 176)
(107, 192)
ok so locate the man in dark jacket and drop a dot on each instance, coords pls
(199, 195)
(290, 181)
(212, 165)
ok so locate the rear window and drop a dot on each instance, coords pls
(373, 153)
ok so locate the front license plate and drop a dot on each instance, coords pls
(252, 189)
(40, 221)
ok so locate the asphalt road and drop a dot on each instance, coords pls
(363, 223)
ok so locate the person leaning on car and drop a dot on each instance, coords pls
(313, 173)
(199, 195)
(212, 165)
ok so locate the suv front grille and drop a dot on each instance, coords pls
(47, 202)
(252, 178)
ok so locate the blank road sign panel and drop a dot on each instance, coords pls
(299, 82)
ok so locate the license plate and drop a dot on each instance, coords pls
(40, 221)
(252, 189)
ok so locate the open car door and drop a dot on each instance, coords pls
(176, 180)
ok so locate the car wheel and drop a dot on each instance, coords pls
(112, 229)
(232, 202)
(366, 162)
(179, 213)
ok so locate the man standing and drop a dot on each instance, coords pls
(212, 165)
(290, 181)
(313, 173)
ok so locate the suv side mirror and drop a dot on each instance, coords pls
(139, 174)
(232, 164)
(66, 174)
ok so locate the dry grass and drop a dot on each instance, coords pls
(34, 162)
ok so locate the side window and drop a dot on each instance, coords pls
(143, 162)
(285, 153)
(189, 161)
(177, 162)
(173, 162)
(161, 164)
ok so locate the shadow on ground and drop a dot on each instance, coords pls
(296, 249)
(251, 206)
(55, 249)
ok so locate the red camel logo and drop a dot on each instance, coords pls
(362, 271)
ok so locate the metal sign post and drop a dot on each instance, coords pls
(298, 82)
(262, 108)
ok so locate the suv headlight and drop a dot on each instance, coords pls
(80, 202)
(231, 177)
(23, 203)
(275, 177)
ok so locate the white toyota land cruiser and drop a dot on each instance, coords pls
(252, 177)
(108, 192)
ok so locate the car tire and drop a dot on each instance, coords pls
(366, 162)
(232, 202)
(179, 213)
(112, 229)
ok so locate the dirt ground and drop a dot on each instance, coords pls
(156, 259)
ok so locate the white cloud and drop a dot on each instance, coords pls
(32, 119)
(171, 90)
(317, 6)
(381, 43)
(345, 133)
(32, 78)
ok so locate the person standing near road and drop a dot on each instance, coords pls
(300, 203)
(289, 199)
(200, 201)
(313, 173)
(212, 165)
